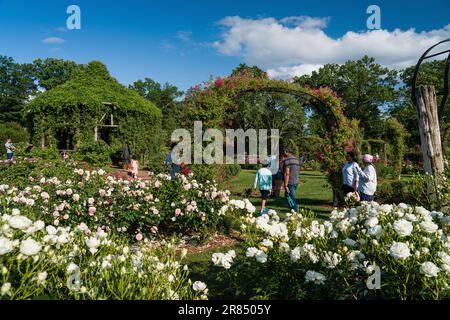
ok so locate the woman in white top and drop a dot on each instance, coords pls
(368, 181)
(350, 175)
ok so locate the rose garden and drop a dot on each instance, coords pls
(83, 228)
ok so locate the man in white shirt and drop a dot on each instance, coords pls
(368, 184)
(350, 174)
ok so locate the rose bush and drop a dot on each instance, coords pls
(303, 258)
(39, 260)
(140, 209)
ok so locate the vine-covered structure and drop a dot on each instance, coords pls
(211, 102)
(93, 107)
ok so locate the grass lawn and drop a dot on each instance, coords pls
(313, 193)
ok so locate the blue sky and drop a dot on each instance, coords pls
(184, 42)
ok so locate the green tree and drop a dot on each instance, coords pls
(365, 87)
(431, 73)
(51, 72)
(245, 70)
(16, 87)
(165, 97)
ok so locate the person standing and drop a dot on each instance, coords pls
(368, 181)
(126, 153)
(9, 150)
(291, 171)
(263, 179)
(350, 175)
(279, 178)
(175, 168)
(134, 167)
(273, 167)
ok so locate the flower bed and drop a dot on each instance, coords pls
(142, 209)
(39, 260)
(302, 258)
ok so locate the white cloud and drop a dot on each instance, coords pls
(184, 36)
(293, 71)
(53, 40)
(298, 45)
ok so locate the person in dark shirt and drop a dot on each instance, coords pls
(291, 171)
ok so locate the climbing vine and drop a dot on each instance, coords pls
(211, 101)
(73, 109)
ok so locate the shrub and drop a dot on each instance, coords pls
(95, 153)
(80, 263)
(63, 194)
(13, 131)
(303, 258)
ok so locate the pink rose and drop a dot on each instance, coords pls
(92, 211)
(154, 229)
(102, 192)
(66, 216)
(139, 237)
(177, 211)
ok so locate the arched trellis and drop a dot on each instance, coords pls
(210, 102)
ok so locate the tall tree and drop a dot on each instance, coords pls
(16, 87)
(365, 87)
(165, 97)
(431, 73)
(253, 71)
(52, 72)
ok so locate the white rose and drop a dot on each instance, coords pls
(316, 277)
(39, 225)
(6, 246)
(403, 227)
(445, 258)
(15, 212)
(371, 222)
(93, 243)
(19, 222)
(76, 197)
(399, 250)
(261, 257)
(51, 230)
(5, 289)
(199, 286)
(429, 269)
(350, 242)
(71, 268)
(251, 252)
(30, 247)
(428, 226)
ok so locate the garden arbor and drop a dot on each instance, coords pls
(90, 108)
(212, 101)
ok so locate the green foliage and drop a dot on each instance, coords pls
(164, 97)
(13, 131)
(363, 85)
(424, 191)
(395, 133)
(212, 101)
(74, 108)
(16, 86)
(50, 73)
(97, 154)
